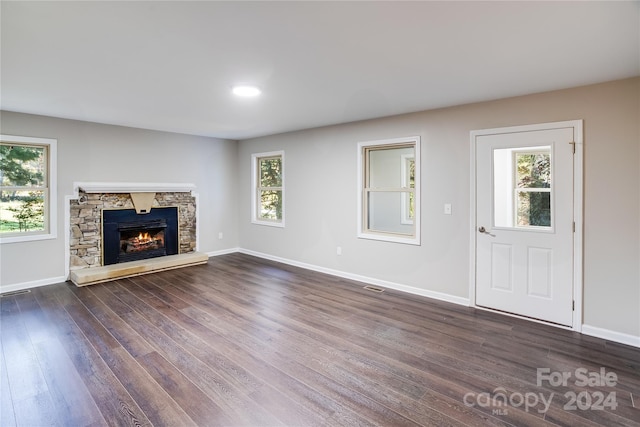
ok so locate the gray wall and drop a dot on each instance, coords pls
(320, 200)
(95, 152)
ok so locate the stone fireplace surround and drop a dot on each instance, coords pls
(85, 223)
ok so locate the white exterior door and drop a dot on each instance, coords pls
(525, 222)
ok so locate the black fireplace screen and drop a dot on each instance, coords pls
(128, 236)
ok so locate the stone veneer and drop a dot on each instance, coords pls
(85, 240)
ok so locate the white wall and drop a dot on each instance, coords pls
(321, 196)
(95, 152)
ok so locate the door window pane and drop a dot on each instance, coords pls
(534, 209)
(522, 185)
(533, 170)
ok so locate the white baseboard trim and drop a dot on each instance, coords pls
(609, 335)
(223, 252)
(28, 285)
(369, 280)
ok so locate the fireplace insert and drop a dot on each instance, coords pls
(128, 236)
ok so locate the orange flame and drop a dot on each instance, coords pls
(144, 237)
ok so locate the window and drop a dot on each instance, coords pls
(268, 185)
(27, 188)
(388, 190)
(522, 187)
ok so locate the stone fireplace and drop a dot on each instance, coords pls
(122, 229)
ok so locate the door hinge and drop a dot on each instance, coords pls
(574, 226)
(573, 305)
(573, 146)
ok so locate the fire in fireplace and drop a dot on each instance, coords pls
(128, 236)
(141, 242)
(142, 239)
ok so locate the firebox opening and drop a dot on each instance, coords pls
(133, 241)
(140, 240)
(128, 236)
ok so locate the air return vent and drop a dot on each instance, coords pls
(10, 294)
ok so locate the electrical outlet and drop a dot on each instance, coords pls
(339, 250)
(220, 235)
(447, 208)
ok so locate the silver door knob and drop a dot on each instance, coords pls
(482, 229)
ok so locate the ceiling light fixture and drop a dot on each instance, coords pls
(246, 91)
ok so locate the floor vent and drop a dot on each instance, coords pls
(10, 294)
(373, 289)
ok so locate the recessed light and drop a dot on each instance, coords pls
(245, 90)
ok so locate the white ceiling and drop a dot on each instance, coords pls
(170, 65)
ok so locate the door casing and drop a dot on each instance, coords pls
(577, 214)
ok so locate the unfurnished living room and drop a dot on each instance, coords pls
(333, 213)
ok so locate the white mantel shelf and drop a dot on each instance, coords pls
(133, 187)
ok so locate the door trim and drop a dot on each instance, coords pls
(578, 207)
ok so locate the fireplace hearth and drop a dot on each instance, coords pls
(129, 236)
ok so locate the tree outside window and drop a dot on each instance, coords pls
(24, 181)
(268, 178)
(533, 189)
(27, 188)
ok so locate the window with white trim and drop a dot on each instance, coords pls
(27, 188)
(523, 190)
(388, 190)
(268, 188)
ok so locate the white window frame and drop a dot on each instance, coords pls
(515, 189)
(362, 231)
(51, 196)
(255, 189)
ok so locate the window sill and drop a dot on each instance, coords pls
(389, 238)
(268, 223)
(27, 238)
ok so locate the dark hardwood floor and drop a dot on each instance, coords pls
(246, 342)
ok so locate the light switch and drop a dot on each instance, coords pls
(447, 208)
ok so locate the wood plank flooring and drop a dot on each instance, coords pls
(243, 341)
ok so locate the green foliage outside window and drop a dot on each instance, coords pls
(533, 172)
(23, 180)
(270, 184)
